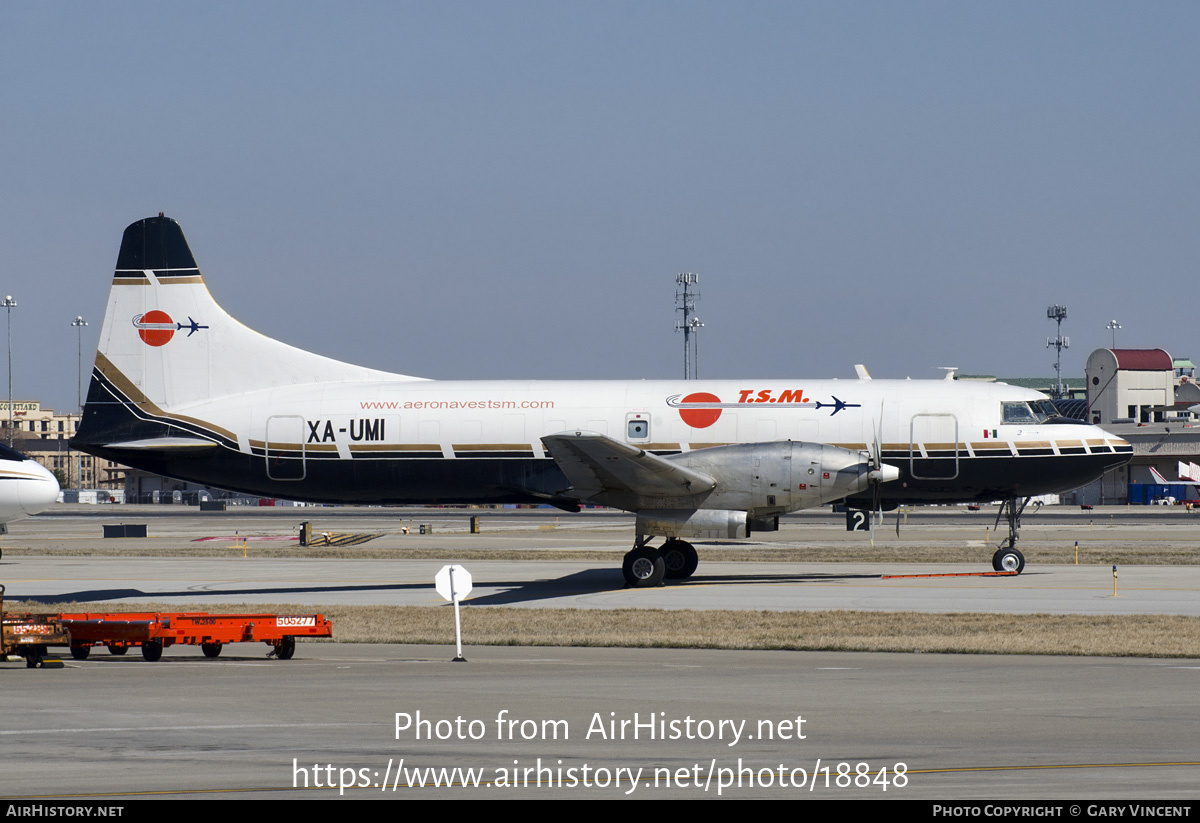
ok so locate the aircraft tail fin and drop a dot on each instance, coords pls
(166, 344)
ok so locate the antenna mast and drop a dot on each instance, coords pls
(686, 295)
(1058, 314)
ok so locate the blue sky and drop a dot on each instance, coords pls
(473, 190)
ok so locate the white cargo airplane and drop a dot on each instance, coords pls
(210, 401)
(25, 487)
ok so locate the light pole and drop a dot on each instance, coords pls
(78, 323)
(9, 304)
(1112, 326)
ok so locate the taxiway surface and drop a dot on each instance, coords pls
(955, 726)
(721, 724)
(50, 572)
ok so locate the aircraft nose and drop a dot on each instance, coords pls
(39, 491)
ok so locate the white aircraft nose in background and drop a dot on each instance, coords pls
(25, 486)
(39, 491)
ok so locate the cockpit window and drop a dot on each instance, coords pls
(1044, 409)
(7, 453)
(1018, 412)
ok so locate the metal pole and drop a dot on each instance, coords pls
(9, 304)
(696, 357)
(78, 323)
(457, 619)
(1058, 313)
(687, 367)
(696, 326)
(685, 299)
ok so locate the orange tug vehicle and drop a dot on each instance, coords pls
(155, 631)
(29, 634)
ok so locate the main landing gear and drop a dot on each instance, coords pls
(1008, 558)
(645, 567)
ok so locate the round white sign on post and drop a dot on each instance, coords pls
(453, 582)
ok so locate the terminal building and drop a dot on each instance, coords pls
(1130, 386)
(43, 434)
(1153, 402)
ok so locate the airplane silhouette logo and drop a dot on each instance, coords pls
(156, 328)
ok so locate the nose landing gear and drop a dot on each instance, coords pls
(1008, 558)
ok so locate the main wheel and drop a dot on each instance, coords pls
(285, 648)
(117, 650)
(643, 568)
(152, 650)
(680, 559)
(210, 649)
(80, 652)
(1008, 560)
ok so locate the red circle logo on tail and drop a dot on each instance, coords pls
(156, 328)
(700, 418)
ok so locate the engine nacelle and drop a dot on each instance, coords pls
(718, 523)
(765, 479)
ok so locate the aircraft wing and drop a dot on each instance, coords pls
(616, 474)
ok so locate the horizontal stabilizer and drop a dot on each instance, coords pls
(1189, 471)
(163, 444)
(606, 470)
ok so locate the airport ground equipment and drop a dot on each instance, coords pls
(155, 631)
(29, 634)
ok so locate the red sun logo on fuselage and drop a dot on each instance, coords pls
(156, 328)
(700, 418)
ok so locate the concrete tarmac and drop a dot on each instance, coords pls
(954, 727)
(313, 582)
(578, 723)
(243, 574)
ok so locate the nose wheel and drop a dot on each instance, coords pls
(1008, 560)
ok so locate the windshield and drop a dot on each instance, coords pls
(1034, 411)
(1018, 412)
(1045, 409)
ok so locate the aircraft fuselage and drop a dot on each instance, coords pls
(410, 442)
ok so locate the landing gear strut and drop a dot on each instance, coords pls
(1008, 558)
